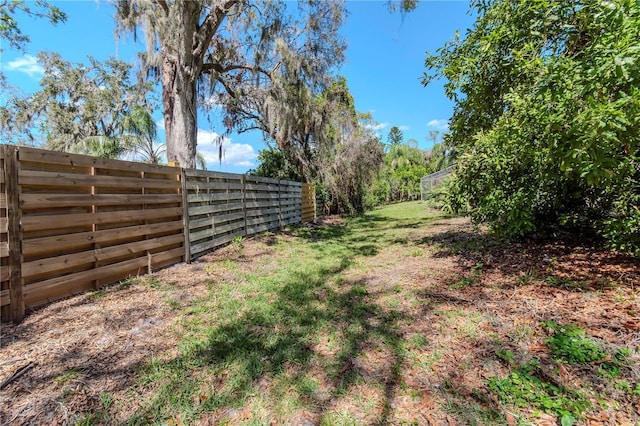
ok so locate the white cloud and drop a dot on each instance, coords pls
(403, 128)
(234, 154)
(376, 126)
(439, 124)
(27, 64)
(160, 124)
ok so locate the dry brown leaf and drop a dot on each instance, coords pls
(511, 419)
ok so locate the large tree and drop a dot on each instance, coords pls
(229, 54)
(78, 106)
(546, 116)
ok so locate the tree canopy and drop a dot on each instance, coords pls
(395, 136)
(242, 56)
(76, 102)
(546, 116)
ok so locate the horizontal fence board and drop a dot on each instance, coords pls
(63, 286)
(67, 159)
(52, 264)
(40, 222)
(32, 201)
(194, 173)
(57, 243)
(263, 219)
(259, 228)
(216, 185)
(214, 208)
(4, 249)
(49, 179)
(227, 217)
(199, 249)
(4, 298)
(214, 232)
(260, 179)
(3, 225)
(216, 196)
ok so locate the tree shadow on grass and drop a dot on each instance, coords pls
(278, 342)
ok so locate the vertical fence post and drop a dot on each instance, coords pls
(12, 166)
(243, 180)
(185, 214)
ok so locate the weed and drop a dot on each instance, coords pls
(127, 282)
(173, 304)
(527, 277)
(67, 377)
(625, 386)
(106, 399)
(416, 252)
(523, 388)
(570, 344)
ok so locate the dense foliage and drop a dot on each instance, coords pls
(78, 107)
(546, 118)
(327, 144)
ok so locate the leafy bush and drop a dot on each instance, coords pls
(546, 117)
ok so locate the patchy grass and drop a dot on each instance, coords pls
(401, 316)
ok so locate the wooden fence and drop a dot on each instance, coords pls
(223, 206)
(308, 203)
(69, 222)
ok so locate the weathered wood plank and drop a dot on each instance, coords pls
(260, 179)
(185, 215)
(263, 212)
(202, 248)
(262, 219)
(5, 299)
(260, 204)
(213, 208)
(215, 185)
(218, 196)
(254, 196)
(193, 173)
(4, 249)
(40, 222)
(62, 263)
(213, 232)
(33, 201)
(227, 218)
(48, 179)
(261, 187)
(4, 224)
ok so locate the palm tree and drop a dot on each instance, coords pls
(140, 134)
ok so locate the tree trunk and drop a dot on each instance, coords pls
(180, 118)
(180, 70)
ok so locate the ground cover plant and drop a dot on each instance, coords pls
(401, 316)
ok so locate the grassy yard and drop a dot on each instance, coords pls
(402, 316)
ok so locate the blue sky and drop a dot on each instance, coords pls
(384, 63)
